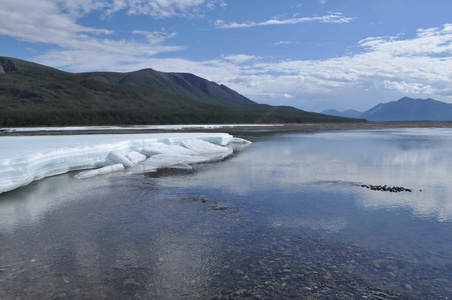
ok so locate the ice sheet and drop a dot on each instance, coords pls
(24, 159)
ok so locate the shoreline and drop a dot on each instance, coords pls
(302, 127)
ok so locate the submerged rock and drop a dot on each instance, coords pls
(385, 188)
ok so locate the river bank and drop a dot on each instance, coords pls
(302, 127)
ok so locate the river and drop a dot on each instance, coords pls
(288, 216)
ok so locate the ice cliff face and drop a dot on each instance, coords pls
(24, 159)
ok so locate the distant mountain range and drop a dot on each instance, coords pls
(404, 109)
(349, 113)
(36, 95)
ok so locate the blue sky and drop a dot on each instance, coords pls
(313, 55)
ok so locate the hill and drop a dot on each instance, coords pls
(182, 84)
(37, 95)
(408, 109)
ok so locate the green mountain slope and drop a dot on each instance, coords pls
(182, 84)
(37, 95)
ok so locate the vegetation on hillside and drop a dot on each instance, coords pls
(42, 96)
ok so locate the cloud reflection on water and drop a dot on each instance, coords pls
(25, 206)
(418, 159)
(110, 237)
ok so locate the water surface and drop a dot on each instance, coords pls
(285, 217)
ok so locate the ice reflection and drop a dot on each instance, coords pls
(110, 238)
(27, 205)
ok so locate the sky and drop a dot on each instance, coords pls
(310, 54)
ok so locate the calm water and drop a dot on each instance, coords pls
(285, 217)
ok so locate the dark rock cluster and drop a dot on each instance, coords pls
(385, 188)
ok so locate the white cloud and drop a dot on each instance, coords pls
(285, 43)
(155, 37)
(427, 42)
(164, 8)
(56, 21)
(81, 48)
(287, 96)
(41, 22)
(79, 8)
(331, 18)
(239, 58)
(406, 88)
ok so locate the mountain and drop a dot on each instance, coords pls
(37, 95)
(408, 109)
(182, 84)
(349, 113)
(404, 109)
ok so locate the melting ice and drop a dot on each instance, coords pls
(24, 159)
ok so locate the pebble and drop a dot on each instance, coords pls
(315, 269)
(268, 265)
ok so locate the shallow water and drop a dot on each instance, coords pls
(285, 217)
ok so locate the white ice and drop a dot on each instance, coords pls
(116, 158)
(203, 147)
(166, 160)
(162, 148)
(24, 159)
(136, 157)
(100, 171)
